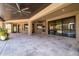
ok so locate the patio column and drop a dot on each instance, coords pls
(77, 27)
(1, 24)
(29, 27)
(46, 27)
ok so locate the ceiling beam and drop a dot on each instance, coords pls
(50, 9)
(16, 21)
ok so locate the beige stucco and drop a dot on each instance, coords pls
(16, 20)
(77, 27)
(1, 24)
(29, 27)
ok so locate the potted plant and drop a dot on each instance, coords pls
(3, 34)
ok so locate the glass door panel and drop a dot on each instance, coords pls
(51, 29)
(58, 27)
(69, 27)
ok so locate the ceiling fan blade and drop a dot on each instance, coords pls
(18, 6)
(11, 6)
(27, 12)
(24, 9)
(16, 12)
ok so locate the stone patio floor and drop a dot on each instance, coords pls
(20, 44)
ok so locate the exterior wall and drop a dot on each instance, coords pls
(69, 14)
(77, 27)
(75, 13)
(1, 24)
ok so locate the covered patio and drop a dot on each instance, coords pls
(46, 29)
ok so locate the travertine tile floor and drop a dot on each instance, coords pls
(20, 44)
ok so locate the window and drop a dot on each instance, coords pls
(25, 27)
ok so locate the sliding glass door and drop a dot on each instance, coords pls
(63, 27)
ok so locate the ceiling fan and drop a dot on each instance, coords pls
(22, 11)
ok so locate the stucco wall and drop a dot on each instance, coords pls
(75, 13)
(1, 24)
(77, 27)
